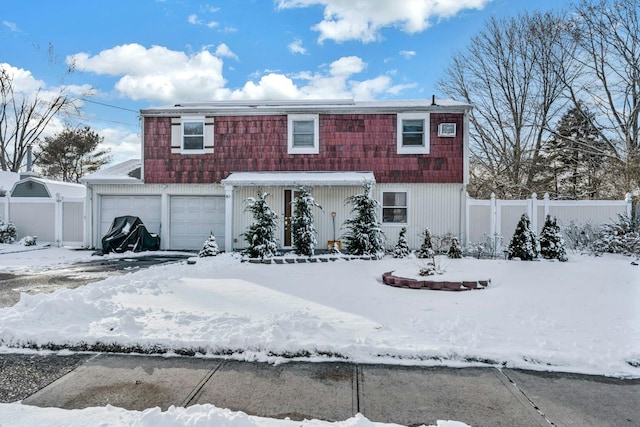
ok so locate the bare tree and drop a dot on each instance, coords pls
(509, 73)
(24, 117)
(605, 73)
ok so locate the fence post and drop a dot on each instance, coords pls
(533, 210)
(58, 220)
(6, 208)
(629, 200)
(465, 221)
(493, 216)
(546, 205)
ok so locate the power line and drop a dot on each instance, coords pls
(108, 105)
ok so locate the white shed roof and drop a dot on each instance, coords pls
(120, 173)
(65, 189)
(250, 179)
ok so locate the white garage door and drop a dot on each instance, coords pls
(193, 218)
(147, 208)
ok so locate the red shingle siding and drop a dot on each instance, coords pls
(348, 142)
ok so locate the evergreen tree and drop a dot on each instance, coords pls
(576, 157)
(261, 234)
(402, 247)
(426, 250)
(364, 235)
(71, 154)
(523, 243)
(210, 247)
(551, 241)
(303, 231)
(455, 250)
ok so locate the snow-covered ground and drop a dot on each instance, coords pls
(581, 316)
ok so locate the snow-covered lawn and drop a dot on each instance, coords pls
(579, 316)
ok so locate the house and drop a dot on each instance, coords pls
(200, 162)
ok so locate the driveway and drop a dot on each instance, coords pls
(78, 274)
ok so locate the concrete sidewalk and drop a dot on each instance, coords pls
(336, 391)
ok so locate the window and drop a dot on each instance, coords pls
(394, 207)
(303, 134)
(413, 133)
(192, 135)
(447, 129)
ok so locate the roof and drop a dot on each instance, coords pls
(316, 179)
(65, 189)
(120, 173)
(345, 106)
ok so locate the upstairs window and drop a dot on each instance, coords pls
(447, 129)
(303, 134)
(394, 207)
(192, 135)
(413, 133)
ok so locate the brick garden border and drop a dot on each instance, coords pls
(433, 284)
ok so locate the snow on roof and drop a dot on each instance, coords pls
(332, 105)
(65, 189)
(8, 179)
(246, 179)
(124, 172)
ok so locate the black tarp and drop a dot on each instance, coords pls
(128, 233)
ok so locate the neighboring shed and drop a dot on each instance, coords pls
(51, 210)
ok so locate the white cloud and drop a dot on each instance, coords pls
(193, 19)
(363, 20)
(123, 145)
(13, 27)
(160, 74)
(296, 47)
(224, 51)
(408, 54)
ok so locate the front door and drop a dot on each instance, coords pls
(289, 196)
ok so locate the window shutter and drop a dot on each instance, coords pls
(208, 134)
(176, 135)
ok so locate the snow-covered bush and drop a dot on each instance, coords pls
(579, 237)
(621, 237)
(488, 246)
(401, 249)
(210, 247)
(551, 241)
(455, 250)
(261, 234)
(8, 232)
(429, 270)
(29, 240)
(523, 243)
(364, 234)
(426, 250)
(303, 231)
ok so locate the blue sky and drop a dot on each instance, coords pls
(132, 54)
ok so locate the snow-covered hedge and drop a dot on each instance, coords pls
(8, 232)
(621, 237)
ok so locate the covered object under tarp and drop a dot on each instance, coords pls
(128, 233)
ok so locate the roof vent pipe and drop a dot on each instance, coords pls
(433, 100)
(29, 160)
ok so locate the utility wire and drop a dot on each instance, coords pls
(108, 105)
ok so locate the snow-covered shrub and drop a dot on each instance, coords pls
(441, 242)
(303, 231)
(455, 250)
(29, 240)
(551, 241)
(621, 237)
(579, 237)
(261, 234)
(401, 249)
(488, 246)
(429, 270)
(523, 243)
(364, 234)
(426, 249)
(8, 232)
(210, 247)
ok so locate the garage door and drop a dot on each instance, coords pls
(193, 218)
(147, 208)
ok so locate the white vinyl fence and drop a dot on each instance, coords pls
(500, 217)
(57, 220)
